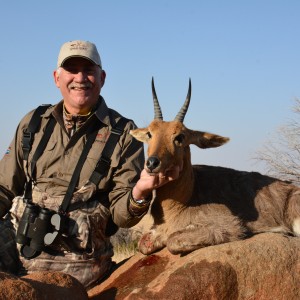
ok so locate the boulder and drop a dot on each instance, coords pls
(41, 286)
(266, 266)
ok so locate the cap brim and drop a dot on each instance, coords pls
(81, 56)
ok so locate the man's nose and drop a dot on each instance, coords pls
(81, 76)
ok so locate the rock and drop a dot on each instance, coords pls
(41, 286)
(266, 266)
(12, 287)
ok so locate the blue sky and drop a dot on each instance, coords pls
(243, 58)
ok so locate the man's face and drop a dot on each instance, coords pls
(80, 82)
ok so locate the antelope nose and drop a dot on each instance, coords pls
(152, 163)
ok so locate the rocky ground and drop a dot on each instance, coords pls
(266, 266)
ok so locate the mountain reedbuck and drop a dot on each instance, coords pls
(208, 205)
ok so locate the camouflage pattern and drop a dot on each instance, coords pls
(83, 251)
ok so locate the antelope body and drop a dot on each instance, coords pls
(208, 205)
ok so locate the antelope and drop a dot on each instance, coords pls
(208, 205)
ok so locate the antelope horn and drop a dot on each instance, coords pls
(181, 114)
(157, 111)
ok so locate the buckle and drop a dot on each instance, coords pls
(27, 139)
(116, 131)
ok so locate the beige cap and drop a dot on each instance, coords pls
(78, 49)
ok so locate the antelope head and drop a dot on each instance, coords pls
(168, 142)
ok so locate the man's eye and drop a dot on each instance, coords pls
(89, 71)
(71, 71)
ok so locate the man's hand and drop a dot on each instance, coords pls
(148, 182)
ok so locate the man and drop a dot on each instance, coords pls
(95, 208)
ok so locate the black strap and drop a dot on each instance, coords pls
(69, 193)
(102, 166)
(42, 145)
(38, 152)
(104, 161)
(33, 126)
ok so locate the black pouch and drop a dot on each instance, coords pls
(9, 255)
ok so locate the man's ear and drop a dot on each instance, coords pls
(56, 78)
(103, 76)
(206, 140)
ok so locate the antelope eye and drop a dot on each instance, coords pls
(179, 139)
(149, 136)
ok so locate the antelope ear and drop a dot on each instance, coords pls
(141, 134)
(207, 140)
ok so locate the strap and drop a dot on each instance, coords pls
(102, 166)
(33, 126)
(38, 152)
(104, 161)
(42, 145)
(69, 193)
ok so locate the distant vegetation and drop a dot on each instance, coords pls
(281, 153)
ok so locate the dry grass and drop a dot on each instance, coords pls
(124, 251)
(126, 239)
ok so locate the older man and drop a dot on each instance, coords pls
(70, 207)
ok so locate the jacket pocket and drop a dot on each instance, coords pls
(87, 226)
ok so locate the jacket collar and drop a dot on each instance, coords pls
(102, 111)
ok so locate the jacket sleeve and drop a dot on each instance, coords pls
(125, 177)
(12, 175)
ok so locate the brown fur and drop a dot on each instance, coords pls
(210, 205)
